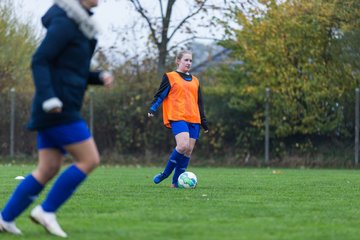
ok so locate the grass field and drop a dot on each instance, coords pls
(123, 203)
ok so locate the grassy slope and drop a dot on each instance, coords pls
(123, 203)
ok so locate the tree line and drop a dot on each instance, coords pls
(306, 52)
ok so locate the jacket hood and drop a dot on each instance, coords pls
(52, 13)
(73, 10)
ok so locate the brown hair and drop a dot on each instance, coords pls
(181, 54)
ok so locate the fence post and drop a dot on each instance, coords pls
(356, 126)
(91, 111)
(267, 119)
(12, 121)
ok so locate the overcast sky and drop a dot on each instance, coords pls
(112, 14)
(107, 14)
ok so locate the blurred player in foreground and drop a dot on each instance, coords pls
(61, 74)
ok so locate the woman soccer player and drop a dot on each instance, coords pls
(60, 68)
(183, 112)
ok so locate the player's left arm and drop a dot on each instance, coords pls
(202, 112)
(100, 78)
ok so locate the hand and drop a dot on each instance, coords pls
(150, 114)
(107, 79)
(204, 125)
(52, 105)
(55, 110)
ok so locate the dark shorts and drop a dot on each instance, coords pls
(63, 135)
(181, 126)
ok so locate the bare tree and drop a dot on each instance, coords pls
(163, 29)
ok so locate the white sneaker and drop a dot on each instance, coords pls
(9, 227)
(47, 220)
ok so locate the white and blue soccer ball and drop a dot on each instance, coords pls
(187, 180)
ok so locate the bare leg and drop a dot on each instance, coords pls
(86, 155)
(192, 143)
(49, 164)
(87, 158)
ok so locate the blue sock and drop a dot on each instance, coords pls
(171, 164)
(25, 193)
(63, 188)
(180, 168)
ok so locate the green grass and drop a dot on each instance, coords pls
(123, 203)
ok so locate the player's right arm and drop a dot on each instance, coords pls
(58, 35)
(202, 112)
(160, 95)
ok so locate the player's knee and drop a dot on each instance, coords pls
(43, 175)
(95, 161)
(91, 163)
(183, 148)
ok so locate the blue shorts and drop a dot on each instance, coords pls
(181, 126)
(63, 135)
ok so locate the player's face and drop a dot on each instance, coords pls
(88, 4)
(184, 64)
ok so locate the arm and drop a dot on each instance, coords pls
(58, 35)
(202, 112)
(160, 95)
(101, 78)
(94, 78)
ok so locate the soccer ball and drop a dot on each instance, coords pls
(187, 180)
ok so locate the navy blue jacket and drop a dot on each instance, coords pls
(61, 68)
